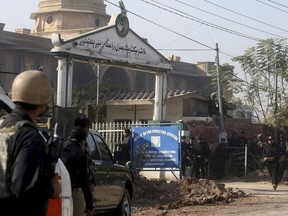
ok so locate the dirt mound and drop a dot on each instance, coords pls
(184, 192)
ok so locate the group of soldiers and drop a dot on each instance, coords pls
(201, 160)
(194, 155)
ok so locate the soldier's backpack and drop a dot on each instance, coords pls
(5, 154)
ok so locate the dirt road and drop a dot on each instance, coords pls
(263, 201)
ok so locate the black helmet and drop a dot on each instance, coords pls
(78, 133)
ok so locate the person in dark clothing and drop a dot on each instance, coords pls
(213, 108)
(84, 122)
(31, 172)
(190, 145)
(74, 158)
(221, 155)
(271, 155)
(200, 153)
(242, 139)
(185, 159)
(282, 141)
(124, 148)
(283, 163)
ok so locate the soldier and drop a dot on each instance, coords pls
(221, 155)
(190, 146)
(271, 155)
(200, 153)
(185, 159)
(30, 171)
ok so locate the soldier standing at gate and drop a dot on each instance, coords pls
(185, 160)
(200, 154)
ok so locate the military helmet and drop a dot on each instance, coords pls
(78, 133)
(32, 87)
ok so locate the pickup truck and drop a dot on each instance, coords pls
(114, 189)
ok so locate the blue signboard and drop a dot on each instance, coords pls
(162, 146)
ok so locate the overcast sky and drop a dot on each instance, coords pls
(186, 28)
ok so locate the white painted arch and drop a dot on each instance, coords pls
(105, 46)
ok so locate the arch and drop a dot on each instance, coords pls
(117, 77)
(107, 47)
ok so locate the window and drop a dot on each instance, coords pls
(97, 22)
(92, 148)
(49, 20)
(98, 148)
(106, 155)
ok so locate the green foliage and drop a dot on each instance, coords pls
(266, 68)
(140, 158)
(230, 84)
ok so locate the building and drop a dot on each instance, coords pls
(22, 51)
(188, 85)
(69, 18)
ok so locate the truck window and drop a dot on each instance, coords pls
(105, 152)
(92, 148)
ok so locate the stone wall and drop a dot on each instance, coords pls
(211, 130)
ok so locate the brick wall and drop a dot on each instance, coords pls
(210, 132)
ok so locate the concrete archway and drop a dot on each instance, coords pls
(115, 45)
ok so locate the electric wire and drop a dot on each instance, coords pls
(184, 36)
(188, 16)
(272, 6)
(278, 3)
(235, 12)
(234, 75)
(243, 81)
(239, 23)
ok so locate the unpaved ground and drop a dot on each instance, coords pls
(246, 196)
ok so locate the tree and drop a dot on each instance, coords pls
(230, 85)
(88, 94)
(265, 67)
(229, 81)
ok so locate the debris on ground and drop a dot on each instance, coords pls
(185, 192)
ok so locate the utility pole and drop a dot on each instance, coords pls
(222, 133)
(276, 104)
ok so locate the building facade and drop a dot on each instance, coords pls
(26, 49)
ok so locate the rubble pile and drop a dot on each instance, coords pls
(184, 192)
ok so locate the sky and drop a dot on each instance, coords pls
(189, 29)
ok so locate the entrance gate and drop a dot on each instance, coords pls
(110, 47)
